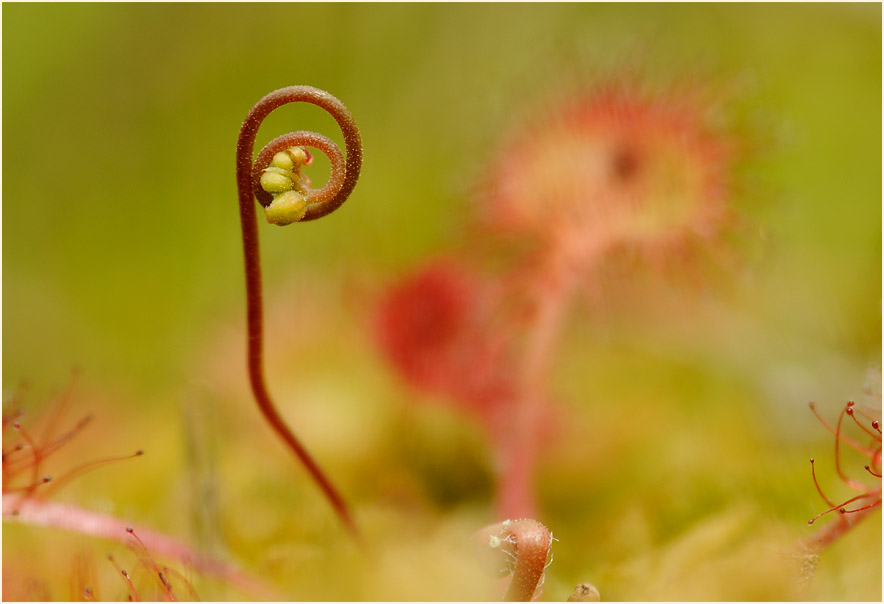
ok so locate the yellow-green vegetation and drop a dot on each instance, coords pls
(675, 461)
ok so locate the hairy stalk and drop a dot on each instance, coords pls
(319, 203)
(164, 582)
(836, 530)
(521, 548)
(72, 518)
(853, 510)
(554, 289)
(133, 593)
(516, 495)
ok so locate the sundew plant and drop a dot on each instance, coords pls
(570, 302)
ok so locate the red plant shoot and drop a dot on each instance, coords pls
(852, 509)
(614, 169)
(520, 548)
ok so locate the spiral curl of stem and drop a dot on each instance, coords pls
(323, 201)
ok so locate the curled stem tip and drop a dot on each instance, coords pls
(276, 181)
(525, 547)
(344, 172)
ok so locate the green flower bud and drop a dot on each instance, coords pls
(283, 161)
(286, 208)
(298, 155)
(274, 182)
(277, 170)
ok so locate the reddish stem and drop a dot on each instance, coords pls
(847, 440)
(167, 587)
(517, 547)
(133, 593)
(63, 400)
(35, 471)
(324, 201)
(835, 530)
(516, 494)
(187, 584)
(817, 484)
(840, 507)
(71, 518)
(83, 468)
(13, 465)
(553, 290)
(526, 544)
(850, 412)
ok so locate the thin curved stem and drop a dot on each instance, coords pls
(836, 530)
(308, 139)
(320, 203)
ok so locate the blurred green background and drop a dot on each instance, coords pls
(121, 250)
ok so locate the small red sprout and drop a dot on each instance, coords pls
(611, 171)
(521, 548)
(855, 508)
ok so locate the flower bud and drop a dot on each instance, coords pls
(283, 161)
(274, 182)
(278, 170)
(286, 208)
(298, 155)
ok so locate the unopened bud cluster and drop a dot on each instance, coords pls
(284, 180)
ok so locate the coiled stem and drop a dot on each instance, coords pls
(320, 202)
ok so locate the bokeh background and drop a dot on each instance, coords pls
(682, 471)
